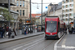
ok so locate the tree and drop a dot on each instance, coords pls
(33, 20)
(7, 16)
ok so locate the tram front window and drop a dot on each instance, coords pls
(51, 26)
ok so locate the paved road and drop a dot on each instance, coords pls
(32, 43)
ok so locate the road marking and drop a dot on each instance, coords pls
(55, 45)
(27, 44)
(68, 47)
(63, 43)
(27, 48)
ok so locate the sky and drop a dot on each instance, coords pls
(35, 6)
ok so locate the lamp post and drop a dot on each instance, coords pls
(30, 11)
(68, 25)
(41, 10)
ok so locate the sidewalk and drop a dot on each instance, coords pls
(67, 43)
(20, 36)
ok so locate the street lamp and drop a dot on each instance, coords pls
(41, 10)
(30, 10)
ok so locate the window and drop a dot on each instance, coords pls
(71, 10)
(66, 19)
(71, 5)
(71, 0)
(20, 4)
(72, 14)
(17, 3)
(66, 15)
(66, 6)
(51, 26)
(23, 12)
(67, 0)
(63, 15)
(64, 1)
(17, 10)
(20, 12)
(23, 3)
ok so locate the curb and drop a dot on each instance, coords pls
(55, 45)
(10, 40)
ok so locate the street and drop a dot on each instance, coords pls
(32, 43)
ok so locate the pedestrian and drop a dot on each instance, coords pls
(72, 29)
(7, 28)
(14, 31)
(3, 31)
(25, 31)
(9, 32)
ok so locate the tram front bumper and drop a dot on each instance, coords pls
(51, 36)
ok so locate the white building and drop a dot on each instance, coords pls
(68, 10)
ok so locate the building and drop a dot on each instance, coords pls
(68, 10)
(4, 3)
(35, 18)
(23, 7)
(55, 10)
(35, 15)
(3, 8)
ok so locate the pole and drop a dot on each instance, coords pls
(30, 11)
(41, 10)
(9, 10)
(68, 26)
(30, 16)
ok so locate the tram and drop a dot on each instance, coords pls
(53, 27)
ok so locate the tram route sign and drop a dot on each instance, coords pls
(27, 21)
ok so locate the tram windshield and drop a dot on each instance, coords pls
(51, 26)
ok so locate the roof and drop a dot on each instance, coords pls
(35, 15)
(56, 7)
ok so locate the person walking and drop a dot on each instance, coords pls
(3, 31)
(25, 31)
(14, 31)
(9, 32)
(7, 28)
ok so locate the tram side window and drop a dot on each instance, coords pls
(58, 26)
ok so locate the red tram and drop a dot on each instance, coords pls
(52, 27)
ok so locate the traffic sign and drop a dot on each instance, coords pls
(46, 7)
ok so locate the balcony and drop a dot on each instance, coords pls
(4, 3)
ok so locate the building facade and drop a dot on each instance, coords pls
(68, 10)
(55, 10)
(23, 7)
